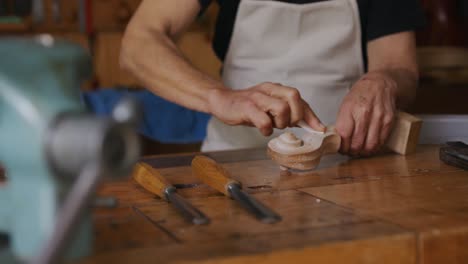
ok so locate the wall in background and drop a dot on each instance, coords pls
(99, 28)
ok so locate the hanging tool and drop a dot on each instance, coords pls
(218, 178)
(38, 11)
(56, 8)
(150, 179)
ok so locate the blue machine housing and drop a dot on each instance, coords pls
(39, 79)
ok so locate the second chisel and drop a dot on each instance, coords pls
(218, 178)
(150, 179)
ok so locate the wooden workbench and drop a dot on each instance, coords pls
(386, 209)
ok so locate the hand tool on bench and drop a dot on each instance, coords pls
(305, 153)
(214, 175)
(150, 179)
(455, 154)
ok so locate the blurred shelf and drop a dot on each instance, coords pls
(445, 64)
(21, 26)
(441, 98)
(442, 57)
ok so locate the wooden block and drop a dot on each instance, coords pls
(404, 137)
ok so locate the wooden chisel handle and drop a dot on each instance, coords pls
(212, 174)
(150, 179)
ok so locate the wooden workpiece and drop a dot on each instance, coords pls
(385, 209)
(305, 153)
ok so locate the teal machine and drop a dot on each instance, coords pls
(53, 152)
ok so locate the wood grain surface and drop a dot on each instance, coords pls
(385, 209)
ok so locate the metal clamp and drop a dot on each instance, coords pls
(83, 148)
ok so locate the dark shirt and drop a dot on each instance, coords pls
(378, 18)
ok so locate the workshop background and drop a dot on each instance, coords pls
(98, 25)
(385, 209)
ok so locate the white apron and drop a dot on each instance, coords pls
(314, 47)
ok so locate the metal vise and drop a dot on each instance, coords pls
(54, 152)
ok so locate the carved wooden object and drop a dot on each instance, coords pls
(305, 154)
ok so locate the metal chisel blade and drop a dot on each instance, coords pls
(260, 211)
(191, 213)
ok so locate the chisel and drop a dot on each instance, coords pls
(218, 178)
(150, 179)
